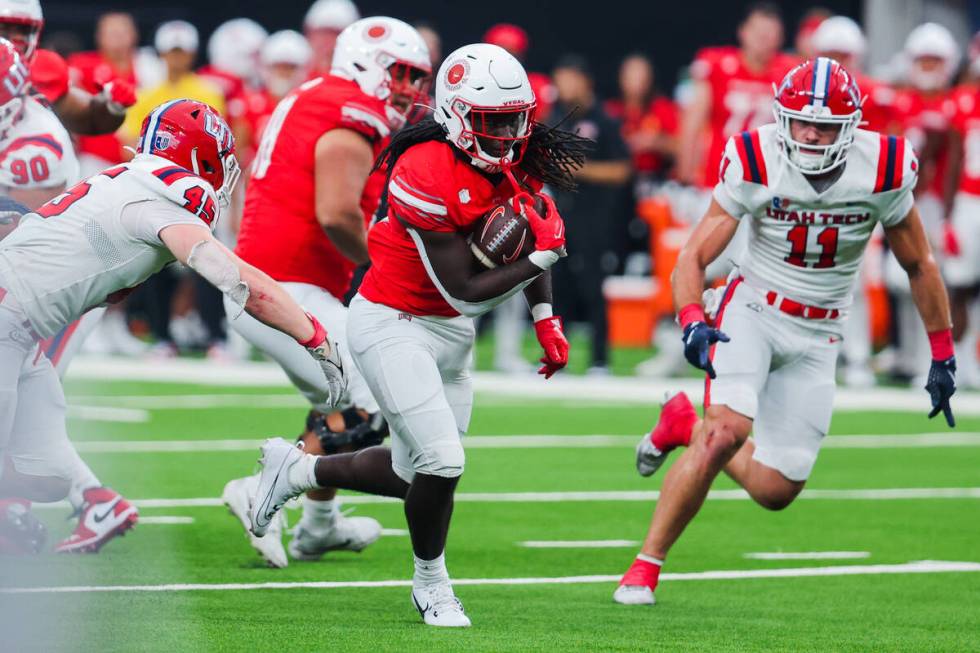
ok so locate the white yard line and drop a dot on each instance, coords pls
(579, 544)
(918, 567)
(108, 414)
(884, 494)
(394, 532)
(895, 441)
(164, 519)
(562, 387)
(808, 555)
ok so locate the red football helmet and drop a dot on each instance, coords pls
(14, 78)
(821, 92)
(21, 22)
(195, 137)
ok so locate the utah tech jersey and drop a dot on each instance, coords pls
(432, 188)
(89, 245)
(803, 244)
(280, 233)
(37, 152)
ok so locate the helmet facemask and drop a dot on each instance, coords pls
(404, 86)
(494, 137)
(23, 33)
(810, 158)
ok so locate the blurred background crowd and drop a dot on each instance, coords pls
(660, 90)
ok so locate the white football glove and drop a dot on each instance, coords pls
(327, 354)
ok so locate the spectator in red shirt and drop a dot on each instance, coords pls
(649, 120)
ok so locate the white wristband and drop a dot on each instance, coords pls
(541, 311)
(544, 259)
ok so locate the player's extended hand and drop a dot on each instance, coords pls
(941, 386)
(554, 344)
(548, 229)
(698, 338)
(327, 353)
(119, 95)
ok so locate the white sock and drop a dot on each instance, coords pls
(82, 478)
(319, 514)
(645, 558)
(430, 572)
(302, 475)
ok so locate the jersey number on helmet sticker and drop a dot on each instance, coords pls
(798, 237)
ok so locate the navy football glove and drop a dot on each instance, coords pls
(941, 386)
(698, 338)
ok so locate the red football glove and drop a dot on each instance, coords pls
(552, 339)
(119, 95)
(548, 229)
(951, 242)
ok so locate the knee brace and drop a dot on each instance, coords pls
(360, 430)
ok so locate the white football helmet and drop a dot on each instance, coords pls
(839, 34)
(485, 103)
(26, 14)
(284, 58)
(388, 59)
(234, 47)
(931, 40)
(331, 14)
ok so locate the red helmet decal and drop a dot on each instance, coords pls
(377, 32)
(456, 74)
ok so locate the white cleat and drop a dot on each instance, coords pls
(634, 595)
(345, 534)
(439, 606)
(237, 495)
(274, 488)
(648, 457)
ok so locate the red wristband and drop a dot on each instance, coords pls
(941, 344)
(693, 312)
(319, 334)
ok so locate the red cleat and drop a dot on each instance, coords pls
(104, 515)
(638, 583)
(673, 429)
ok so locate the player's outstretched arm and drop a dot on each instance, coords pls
(908, 241)
(87, 114)
(344, 160)
(707, 242)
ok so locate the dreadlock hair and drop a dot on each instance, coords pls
(551, 154)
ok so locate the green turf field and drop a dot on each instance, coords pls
(513, 493)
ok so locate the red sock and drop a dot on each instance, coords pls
(645, 571)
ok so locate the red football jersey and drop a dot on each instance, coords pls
(741, 99)
(966, 121)
(280, 233)
(878, 109)
(923, 116)
(658, 117)
(434, 189)
(49, 75)
(90, 71)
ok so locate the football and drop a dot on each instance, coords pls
(501, 236)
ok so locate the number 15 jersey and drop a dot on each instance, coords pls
(807, 245)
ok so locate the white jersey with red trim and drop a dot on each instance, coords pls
(804, 244)
(37, 151)
(94, 243)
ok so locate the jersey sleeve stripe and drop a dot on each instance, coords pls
(408, 198)
(760, 160)
(45, 141)
(362, 115)
(891, 157)
(750, 153)
(172, 174)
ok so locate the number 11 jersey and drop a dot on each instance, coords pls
(804, 244)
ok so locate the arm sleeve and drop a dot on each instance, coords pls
(145, 220)
(897, 203)
(415, 197)
(730, 190)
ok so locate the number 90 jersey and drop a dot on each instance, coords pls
(37, 152)
(807, 245)
(95, 242)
